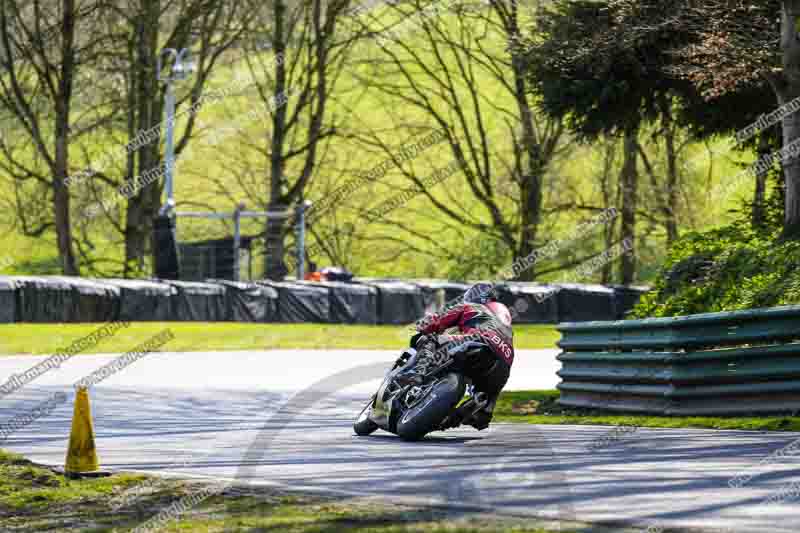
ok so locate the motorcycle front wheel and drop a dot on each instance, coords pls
(363, 426)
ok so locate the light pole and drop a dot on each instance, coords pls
(182, 66)
(237, 238)
(300, 211)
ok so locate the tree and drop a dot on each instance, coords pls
(604, 81)
(595, 96)
(45, 45)
(742, 56)
(609, 194)
(105, 54)
(295, 82)
(665, 192)
(209, 30)
(444, 80)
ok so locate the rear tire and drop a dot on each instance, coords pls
(363, 426)
(431, 410)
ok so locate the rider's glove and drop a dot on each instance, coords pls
(424, 341)
(415, 339)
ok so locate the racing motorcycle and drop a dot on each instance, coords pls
(429, 403)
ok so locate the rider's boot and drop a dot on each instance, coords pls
(481, 418)
(471, 413)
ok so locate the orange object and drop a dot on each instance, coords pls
(315, 276)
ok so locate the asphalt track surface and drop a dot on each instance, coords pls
(285, 418)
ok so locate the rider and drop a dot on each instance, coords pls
(479, 315)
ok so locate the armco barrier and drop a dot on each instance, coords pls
(731, 363)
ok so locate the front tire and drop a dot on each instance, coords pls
(363, 426)
(429, 412)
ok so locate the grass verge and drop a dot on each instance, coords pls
(210, 336)
(540, 407)
(33, 498)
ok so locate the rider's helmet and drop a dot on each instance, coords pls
(480, 293)
(486, 294)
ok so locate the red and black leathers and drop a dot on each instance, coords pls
(490, 371)
(491, 322)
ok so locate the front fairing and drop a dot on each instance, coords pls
(386, 407)
(385, 401)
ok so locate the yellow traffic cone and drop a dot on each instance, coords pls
(81, 454)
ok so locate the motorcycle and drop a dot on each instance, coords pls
(412, 410)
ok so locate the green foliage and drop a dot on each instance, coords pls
(225, 163)
(481, 260)
(775, 201)
(599, 83)
(26, 486)
(605, 65)
(730, 268)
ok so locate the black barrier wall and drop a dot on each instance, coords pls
(625, 298)
(350, 303)
(532, 304)
(65, 299)
(198, 302)
(8, 304)
(42, 299)
(398, 302)
(92, 300)
(302, 302)
(249, 302)
(582, 303)
(144, 301)
(436, 293)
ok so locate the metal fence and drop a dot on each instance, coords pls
(233, 256)
(731, 363)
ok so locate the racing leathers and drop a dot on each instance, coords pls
(490, 323)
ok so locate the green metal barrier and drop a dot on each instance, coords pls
(738, 362)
